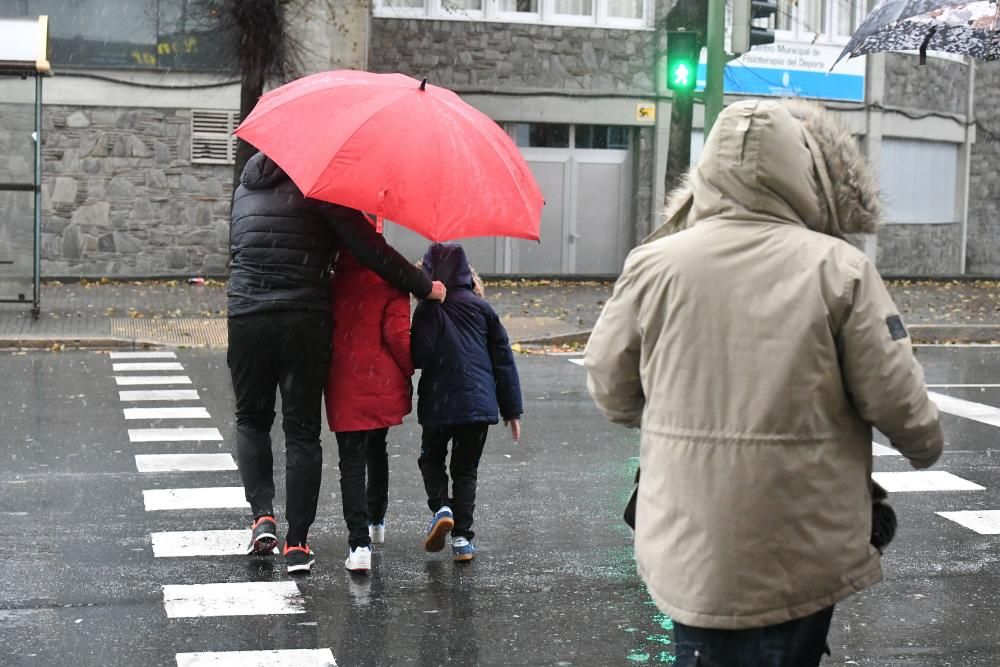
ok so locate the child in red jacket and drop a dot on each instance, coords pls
(368, 390)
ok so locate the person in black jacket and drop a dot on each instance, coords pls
(283, 245)
(468, 374)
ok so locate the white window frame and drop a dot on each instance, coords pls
(433, 9)
(801, 34)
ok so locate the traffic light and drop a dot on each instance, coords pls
(747, 31)
(682, 60)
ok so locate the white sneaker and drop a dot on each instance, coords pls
(376, 532)
(359, 560)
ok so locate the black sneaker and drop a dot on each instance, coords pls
(263, 539)
(299, 558)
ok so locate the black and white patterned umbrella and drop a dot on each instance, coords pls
(965, 28)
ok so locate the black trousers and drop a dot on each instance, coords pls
(287, 351)
(798, 643)
(364, 501)
(467, 441)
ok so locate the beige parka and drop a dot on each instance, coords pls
(755, 349)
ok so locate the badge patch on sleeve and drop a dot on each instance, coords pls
(896, 328)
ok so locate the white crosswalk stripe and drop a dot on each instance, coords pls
(984, 522)
(158, 395)
(210, 497)
(985, 414)
(313, 657)
(127, 380)
(184, 462)
(143, 355)
(148, 366)
(202, 600)
(166, 413)
(173, 434)
(201, 543)
(259, 598)
(924, 480)
(882, 450)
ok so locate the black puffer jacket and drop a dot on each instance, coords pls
(283, 244)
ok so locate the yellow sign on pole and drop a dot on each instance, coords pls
(645, 112)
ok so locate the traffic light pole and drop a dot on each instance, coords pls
(715, 39)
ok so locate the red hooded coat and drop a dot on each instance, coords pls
(370, 368)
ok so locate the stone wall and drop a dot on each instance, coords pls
(983, 255)
(940, 85)
(919, 250)
(478, 55)
(120, 196)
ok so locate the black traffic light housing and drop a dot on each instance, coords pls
(682, 60)
(746, 34)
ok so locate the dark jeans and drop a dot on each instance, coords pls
(468, 441)
(798, 643)
(363, 504)
(288, 351)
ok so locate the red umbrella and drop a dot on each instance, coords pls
(390, 145)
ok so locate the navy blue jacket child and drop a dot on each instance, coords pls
(468, 372)
(467, 376)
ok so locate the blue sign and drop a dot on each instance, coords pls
(793, 70)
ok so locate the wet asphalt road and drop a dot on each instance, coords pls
(554, 583)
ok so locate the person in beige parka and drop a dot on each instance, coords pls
(756, 349)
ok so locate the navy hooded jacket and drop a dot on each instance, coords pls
(468, 372)
(283, 243)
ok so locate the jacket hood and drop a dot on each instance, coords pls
(261, 172)
(788, 161)
(447, 262)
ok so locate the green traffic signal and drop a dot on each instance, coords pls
(682, 60)
(680, 78)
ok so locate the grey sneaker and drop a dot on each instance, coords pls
(299, 559)
(262, 536)
(376, 531)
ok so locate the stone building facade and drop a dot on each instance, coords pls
(122, 196)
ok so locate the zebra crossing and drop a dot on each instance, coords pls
(984, 522)
(157, 372)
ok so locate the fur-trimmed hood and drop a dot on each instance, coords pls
(787, 161)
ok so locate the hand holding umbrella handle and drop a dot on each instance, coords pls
(438, 291)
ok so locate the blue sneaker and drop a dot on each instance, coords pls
(462, 550)
(437, 531)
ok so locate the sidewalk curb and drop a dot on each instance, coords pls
(919, 333)
(76, 343)
(954, 333)
(575, 338)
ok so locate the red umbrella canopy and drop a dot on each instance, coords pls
(390, 145)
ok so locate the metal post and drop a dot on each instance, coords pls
(716, 70)
(37, 282)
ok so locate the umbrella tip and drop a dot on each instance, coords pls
(423, 84)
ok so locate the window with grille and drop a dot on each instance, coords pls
(212, 140)
(630, 14)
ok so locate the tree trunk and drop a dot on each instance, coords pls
(679, 150)
(251, 88)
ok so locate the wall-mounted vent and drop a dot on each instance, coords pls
(212, 141)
